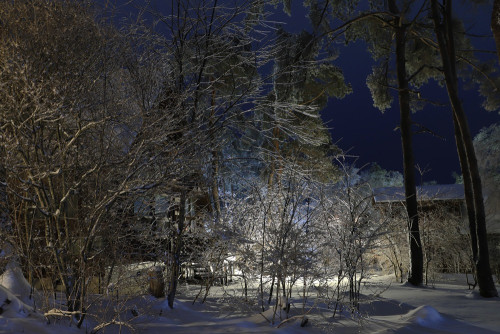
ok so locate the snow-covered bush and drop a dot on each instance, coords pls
(350, 230)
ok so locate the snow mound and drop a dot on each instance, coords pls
(426, 319)
(19, 317)
(426, 316)
(11, 306)
(473, 294)
(13, 280)
(385, 308)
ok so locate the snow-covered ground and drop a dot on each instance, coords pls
(447, 306)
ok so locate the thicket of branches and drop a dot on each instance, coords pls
(98, 123)
(190, 134)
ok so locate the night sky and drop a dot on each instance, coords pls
(364, 132)
(367, 133)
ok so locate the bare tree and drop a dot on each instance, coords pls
(68, 117)
(351, 227)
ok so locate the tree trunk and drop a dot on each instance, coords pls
(444, 35)
(271, 290)
(215, 185)
(415, 276)
(495, 24)
(175, 265)
(215, 163)
(4, 207)
(468, 192)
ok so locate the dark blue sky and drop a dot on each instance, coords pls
(365, 132)
(369, 134)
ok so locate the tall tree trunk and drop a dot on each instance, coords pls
(215, 163)
(275, 163)
(416, 256)
(495, 24)
(175, 265)
(444, 35)
(5, 223)
(4, 207)
(215, 185)
(468, 192)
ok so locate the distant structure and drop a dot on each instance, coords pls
(425, 194)
(448, 198)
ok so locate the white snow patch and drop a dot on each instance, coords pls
(426, 316)
(13, 280)
(395, 309)
(473, 294)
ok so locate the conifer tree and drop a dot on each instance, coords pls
(443, 26)
(495, 24)
(302, 84)
(387, 28)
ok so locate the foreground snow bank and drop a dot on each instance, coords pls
(392, 308)
(424, 319)
(13, 280)
(426, 316)
(17, 316)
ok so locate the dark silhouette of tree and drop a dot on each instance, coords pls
(416, 256)
(442, 17)
(495, 24)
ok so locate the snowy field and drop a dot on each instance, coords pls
(447, 306)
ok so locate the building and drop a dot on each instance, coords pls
(443, 224)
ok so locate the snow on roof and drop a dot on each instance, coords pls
(435, 192)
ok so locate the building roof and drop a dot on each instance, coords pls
(435, 192)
